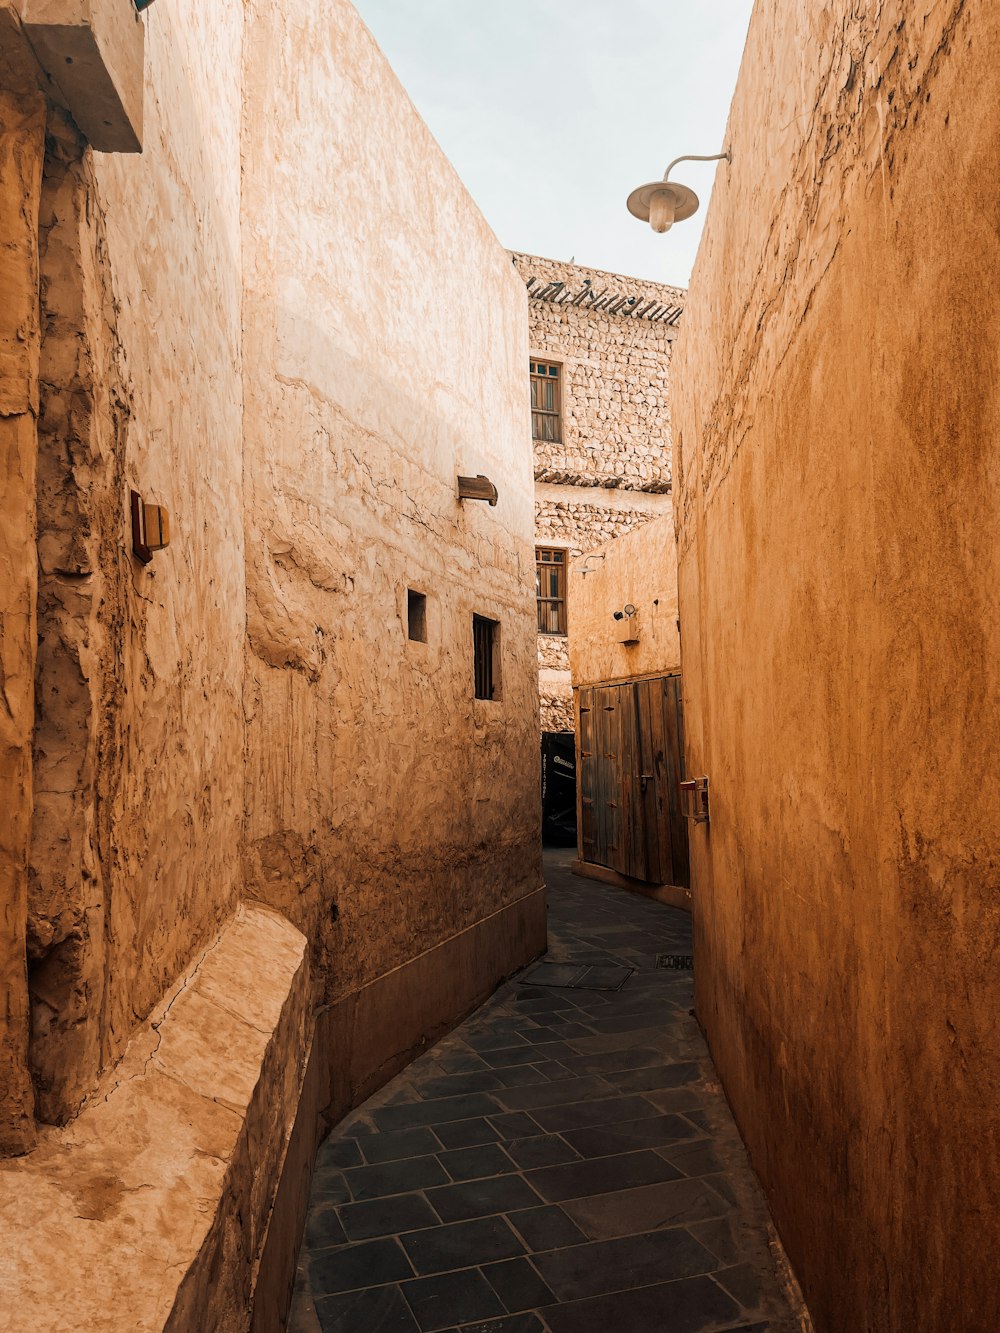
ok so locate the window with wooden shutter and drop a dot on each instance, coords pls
(546, 405)
(550, 585)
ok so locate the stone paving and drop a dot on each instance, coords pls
(563, 1161)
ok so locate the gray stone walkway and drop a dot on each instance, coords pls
(562, 1161)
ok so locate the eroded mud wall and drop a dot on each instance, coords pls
(837, 405)
(385, 353)
(22, 146)
(138, 738)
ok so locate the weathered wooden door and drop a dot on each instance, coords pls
(629, 766)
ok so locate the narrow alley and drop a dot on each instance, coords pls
(563, 1160)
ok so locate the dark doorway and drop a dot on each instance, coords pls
(558, 789)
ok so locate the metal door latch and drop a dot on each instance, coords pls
(694, 800)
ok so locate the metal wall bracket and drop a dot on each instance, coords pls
(694, 800)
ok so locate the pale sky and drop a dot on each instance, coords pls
(552, 111)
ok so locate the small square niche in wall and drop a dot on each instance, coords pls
(416, 616)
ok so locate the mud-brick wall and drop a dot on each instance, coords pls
(388, 809)
(837, 407)
(136, 789)
(614, 373)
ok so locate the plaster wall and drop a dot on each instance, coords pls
(387, 808)
(139, 727)
(837, 404)
(641, 569)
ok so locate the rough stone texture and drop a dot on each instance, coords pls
(615, 381)
(139, 737)
(641, 569)
(169, 1171)
(837, 414)
(611, 472)
(387, 808)
(22, 139)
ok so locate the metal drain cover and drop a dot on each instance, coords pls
(578, 976)
(677, 962)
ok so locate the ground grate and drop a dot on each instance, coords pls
(676, 962)
(578, 976)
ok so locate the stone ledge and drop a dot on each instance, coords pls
(148, 1211)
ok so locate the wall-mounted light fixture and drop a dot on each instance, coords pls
(477, 488)
(150, 528)
(142, 4)
(662, 203)
(585, 568)
(694, 800)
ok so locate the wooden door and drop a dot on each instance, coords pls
(630, 763)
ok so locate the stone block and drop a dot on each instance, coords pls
(93, 53)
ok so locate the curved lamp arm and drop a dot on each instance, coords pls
(695, 157)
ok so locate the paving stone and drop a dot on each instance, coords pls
(518, 1285)
(515, 1323)
(604, 1111)
(645, 1208)
(488, 1159)
(465, 1133)
(330, 1187)
(546, 1228)
(440, 1302)
(527, 1054)
(554, 1094)
(515, 1124)
(338, 1152)
(441, 1111)
(324, 1228)
(402, 1143)
(615, 1265)
(387, 1217)
(651, 1132)
(367, 1265)
(700, 1158)
(461, 1244)
(478, 1198)
(374, 1310)
(459, 1062)
(670, 1307)
(541, 1150)
(455, 1085)
(657, 1076)
(600, 1176)
(743, 1282)
(520, 1076)
(411, 1173)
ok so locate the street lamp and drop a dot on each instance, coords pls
(662, 203)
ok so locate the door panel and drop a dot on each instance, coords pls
(630, 747)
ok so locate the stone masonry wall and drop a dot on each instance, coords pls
(615, 380)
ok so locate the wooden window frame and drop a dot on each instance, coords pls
(544, 560)
(546, 423)
(485, 657)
